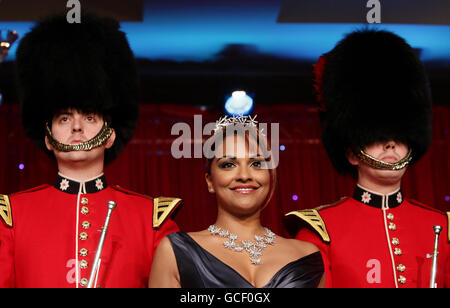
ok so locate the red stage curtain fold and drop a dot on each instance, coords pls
(306, 178)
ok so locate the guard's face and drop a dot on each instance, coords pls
(388, 151)
(73, 127)
(240, 184)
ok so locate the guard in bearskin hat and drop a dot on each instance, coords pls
(79, 86)
(375, 115)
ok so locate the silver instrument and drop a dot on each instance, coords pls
(437, 231)
(111, 206)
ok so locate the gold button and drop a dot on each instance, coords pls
(83, 252)
(395, 241)
(84, 210)
(83, 236)
(397, 251)
(402, 279)
(84, 282)
(84, 201)
(401, 268)
(86, 224)
(392, 226)
(84, 264)
(390, 216)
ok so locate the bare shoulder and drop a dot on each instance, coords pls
(164, 247)
(200, 236)
(164, 271)
(202, 233)
(301, 248)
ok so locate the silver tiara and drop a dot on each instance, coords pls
(245, 121)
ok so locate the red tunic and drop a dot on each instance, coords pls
(55, 235)
(381, 241)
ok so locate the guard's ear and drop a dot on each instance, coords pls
(47, 144)
(109, 143)
(352, 158)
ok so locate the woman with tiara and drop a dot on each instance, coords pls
(237, 251)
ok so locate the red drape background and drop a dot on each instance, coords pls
(147, 166)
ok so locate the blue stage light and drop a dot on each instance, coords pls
(239, 103)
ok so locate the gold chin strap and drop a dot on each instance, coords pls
(379, 164)
(99, 140)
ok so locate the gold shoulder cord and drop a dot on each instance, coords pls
(95, 142)
(5, 210)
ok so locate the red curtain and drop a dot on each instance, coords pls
(306, 178)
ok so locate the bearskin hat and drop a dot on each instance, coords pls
(372, 87)
(87, 66)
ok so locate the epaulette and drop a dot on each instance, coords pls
(427, 207)
(5, 210)
(163, 207)
(313, 218)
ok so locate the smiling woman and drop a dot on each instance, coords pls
(238, 178)
(240, 166)
(237, 251)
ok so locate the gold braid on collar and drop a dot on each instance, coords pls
(95, 142)
(379, 164)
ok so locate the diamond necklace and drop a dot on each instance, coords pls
(254, 249)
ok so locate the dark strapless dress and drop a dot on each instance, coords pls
(200, 269)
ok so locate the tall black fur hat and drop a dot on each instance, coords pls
(87, 66)
(372, 87)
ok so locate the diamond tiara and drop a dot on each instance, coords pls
(245, 121)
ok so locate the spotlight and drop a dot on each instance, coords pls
(7, 38)
(239, 103)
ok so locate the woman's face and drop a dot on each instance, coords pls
(237, 178)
